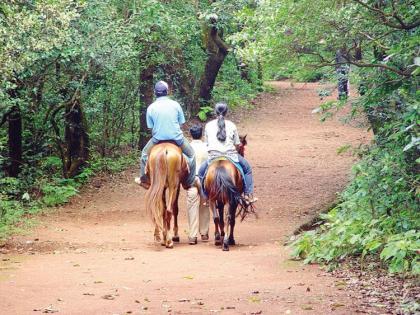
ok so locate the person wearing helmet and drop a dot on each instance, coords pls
(221, 136)
(165, 117)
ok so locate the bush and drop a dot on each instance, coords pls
(378, 215)
(18, 196)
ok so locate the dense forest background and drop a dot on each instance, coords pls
(76, 77)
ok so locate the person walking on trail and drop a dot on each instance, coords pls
(198, 214)
(342, 71)
(221, 136)
(165, 117)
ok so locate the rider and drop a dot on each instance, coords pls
(165, 117)
(222, 139)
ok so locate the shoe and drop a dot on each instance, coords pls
(192, 240)
(205, 238)
(143, 181)
(250, 199)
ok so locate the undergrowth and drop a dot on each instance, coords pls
(26, 195)
(378, 213)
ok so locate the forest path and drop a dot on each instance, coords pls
(96, 255)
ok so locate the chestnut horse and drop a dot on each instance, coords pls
(224, 186)
(167, 168)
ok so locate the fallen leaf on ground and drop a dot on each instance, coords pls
(183, 300)
(189, 277)
(254, 299)
(306, 307)
(336, 304)
(108, 297)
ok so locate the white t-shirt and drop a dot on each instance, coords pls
(201, 155)
(217, 148)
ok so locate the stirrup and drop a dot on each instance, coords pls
(249, 199)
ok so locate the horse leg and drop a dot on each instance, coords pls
(232, 215)
(216, 219)
(172, 209)
(220, 207)
(164, 232)
(175, 238)
(157, 234)
(169, 242)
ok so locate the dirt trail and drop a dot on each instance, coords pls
(96, 256)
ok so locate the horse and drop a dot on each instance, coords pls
(224, 186)
(167, 169)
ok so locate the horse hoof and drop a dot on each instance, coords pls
(175, 239)
(232, 241)
(170, 245)
(225, 248)
(217, 240)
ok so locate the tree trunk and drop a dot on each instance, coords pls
(15, 141)
(216, 52)
(146, 98)
(76, 138)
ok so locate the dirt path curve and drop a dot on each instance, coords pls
(96, 256)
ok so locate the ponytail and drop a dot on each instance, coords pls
(221, 110)
(221, 128)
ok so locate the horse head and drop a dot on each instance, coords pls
(241, 146)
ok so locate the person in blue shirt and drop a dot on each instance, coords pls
(165, 117)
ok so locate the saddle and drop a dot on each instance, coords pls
(167, 141)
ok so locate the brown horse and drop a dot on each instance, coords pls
(224, 186)
(167, 168)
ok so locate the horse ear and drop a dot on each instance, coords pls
(245, 136)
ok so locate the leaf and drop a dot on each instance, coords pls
(26, 196)
(108, 297)
(254, 299)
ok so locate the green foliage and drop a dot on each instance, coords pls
(57, 194)
(19, 197)
(378, 215)
(54, 54)
(231, 88)
(204, 112)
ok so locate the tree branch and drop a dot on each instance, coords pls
(384, 17)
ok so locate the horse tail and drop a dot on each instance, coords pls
(225, 187)
(229, 193)
(159, 176)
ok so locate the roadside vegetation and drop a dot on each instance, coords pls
(378, 214)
